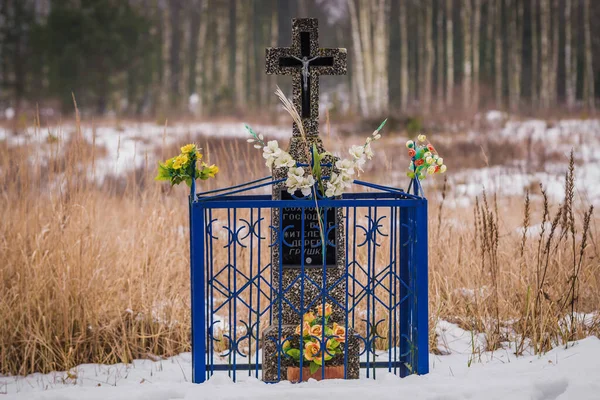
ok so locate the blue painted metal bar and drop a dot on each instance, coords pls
(404, 317)
(198, 296)
(307, 203)
(242, 367)
(236, 186)
(421, 291)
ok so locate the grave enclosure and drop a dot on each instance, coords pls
(257, 262)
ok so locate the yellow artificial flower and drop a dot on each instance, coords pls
(311, 350)
(309, 317)
(198, 155)
(188, 148)
(421, 138)
(328, 310)
(180, 161)
(212, 170)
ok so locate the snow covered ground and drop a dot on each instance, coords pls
(127, 145)
(563, 373)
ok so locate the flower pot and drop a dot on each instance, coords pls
(293, 373)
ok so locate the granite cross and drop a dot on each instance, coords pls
(305, 61)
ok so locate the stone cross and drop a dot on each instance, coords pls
(305, 62)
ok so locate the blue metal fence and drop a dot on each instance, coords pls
(234, 298)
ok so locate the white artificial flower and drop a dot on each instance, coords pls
(357, 151)
(345, 166)
(431, 170)
(330, 191)
(429, 160)
(345, 180)
(443, 169)
(284, 160)
(270, 152)
(297, 172)
(377, 137)
(440, 161)
(271, 149)
(360, 162)
(369, 152)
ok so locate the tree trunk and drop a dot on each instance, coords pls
(555, 46)
(515, 23)
(165, 60)
(440, 57)
(429, 54)
(203, 54)
(359, 70)
(467, 53)
(534, 55)
(364, 15)
(222, 51)
(175, 7)
(241, 52)
(588, 81)
(545, 53)
(404, 86)
(381, 44)
(498, 53)
(570, 58)
(476, 35)
(449, 53)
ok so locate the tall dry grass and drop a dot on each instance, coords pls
(99, 273)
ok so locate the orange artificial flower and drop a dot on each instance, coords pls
(328, 310)
(419, 162)
(311, 350)
(316, 330)
(340, 332)
(411, 152)
(305, 329)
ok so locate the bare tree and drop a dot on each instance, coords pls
(534, 54)
(545, 53)
(570, 57)
(476, 35)
(429, 54)
(588, 81)
(449, 52)
(440, 57)
(404, 86)
(498, 52)
(359, 70)
(467, 52)
(515, 29)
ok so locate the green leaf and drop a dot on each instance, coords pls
(294, 353)
(335, 344)
(313, 367)
(251, 132)
(381, 125)
(317, 163)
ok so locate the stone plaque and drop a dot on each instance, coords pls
(292, 222)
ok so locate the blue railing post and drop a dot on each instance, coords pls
(199, 325)
(421, 290)
(404, 317)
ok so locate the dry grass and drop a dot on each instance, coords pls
(100, 274)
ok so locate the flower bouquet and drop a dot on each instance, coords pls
(321, 342)
(186, 167)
